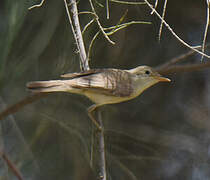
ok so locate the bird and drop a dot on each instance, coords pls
(102, 86)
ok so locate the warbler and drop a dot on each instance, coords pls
(102, 86)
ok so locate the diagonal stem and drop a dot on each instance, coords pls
(11, 165)
(75, 25)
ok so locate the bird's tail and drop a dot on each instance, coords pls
(50, 86)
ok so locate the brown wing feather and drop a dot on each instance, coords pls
(80, 74)
(112, 82)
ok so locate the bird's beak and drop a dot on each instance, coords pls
(162, 79)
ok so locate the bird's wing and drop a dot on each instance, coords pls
(111, 82)
(80, 74)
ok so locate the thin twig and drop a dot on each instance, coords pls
(91, 44)
(11, 165)
(119, 22)
(99, 24)
(101, 149)
(184, 68)
(107, 9)
(156, 3)
(20, 104)
(37, 5)
(127, 3)
(114, 30)
(86, 12)
(179, 58)
(92, 142)
(99, 4)
(85, 66)
(123, 167)
(206, 28)
(174, 34)
(87, 25)
(123, 17)
(124, 25)
(163, 16)
(176, 60)
(75, 25)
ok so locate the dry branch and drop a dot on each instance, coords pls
(173, 33)
(21, 104)
(163, 16)
(75, 24)
(206, 28)
(11, 165)
(183, 68)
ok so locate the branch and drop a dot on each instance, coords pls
(206, 28)
(11, 165)
(183, 68)
(99, 24)
(75, 25)
(171, 30)
(179, 59)
(37, 5)
(163, 16)
(156, 3)
(170, 67)
(107, 9)
(175, 60)
(127, 3)
(102, 161)
(21, 104)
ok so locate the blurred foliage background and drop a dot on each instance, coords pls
(163, 134)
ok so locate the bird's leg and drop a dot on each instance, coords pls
(90, 111)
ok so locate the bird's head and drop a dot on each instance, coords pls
(146, 76)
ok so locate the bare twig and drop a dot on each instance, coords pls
(174, 34)
(180, 58)
(85, 66)
(99, 151)
(124, 25)
(126, 170)
(100, 135)
(75, 25)
(91, 44)
(102, 161)
(156, 3)
(19, 105)
(170, 67)
(127, 3)
(11, 165)
(99, 4)
(37, 5)
(87, 25)
(206, 28)
(113, 29)
(107, 9)
(99, 24)
(86, 12)
(175, 60)
(163, 16)
(184, 68)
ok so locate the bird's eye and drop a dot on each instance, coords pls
(147, 72)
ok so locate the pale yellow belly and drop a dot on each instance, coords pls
(105, 99)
